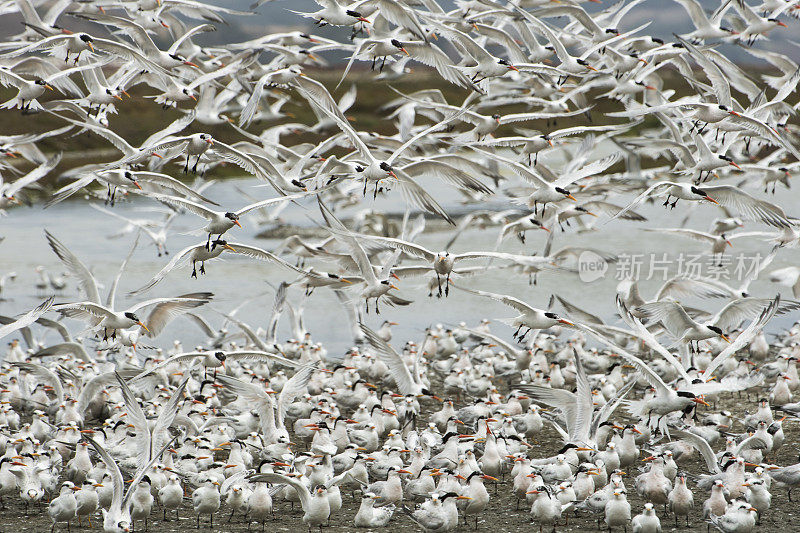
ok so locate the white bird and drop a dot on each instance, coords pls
(63, 508)
(531, 317)
(316, 506)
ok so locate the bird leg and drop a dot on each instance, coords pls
(447, 286)
(194, 168)
(186, 168)
(672, 206)
(194, 269)
(202, 267)
(666, 201)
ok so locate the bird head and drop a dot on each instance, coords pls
(700, 192)
(566, 193)
(553, 316)
(506, 64)
(132, 178)
(234, 218)
(386, 167)
(719, 332)
(356, 15)
(43, 84)
(397, 44)
(223, 243)
(730, 161)
(87, 39)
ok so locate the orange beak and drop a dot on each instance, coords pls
(237, 223)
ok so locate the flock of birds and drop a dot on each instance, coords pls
(100, 421)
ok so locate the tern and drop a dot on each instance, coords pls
(531, 317)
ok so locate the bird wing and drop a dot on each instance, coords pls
(165, 419)
(560, 399)
(27, 319)
(86, 311)
(176, 126)
(76, 267)
(748, 206)
(180, 257)
(407, 247)
(272, 477)
(46, 322)
(7, 77)
(689, 286)
(584, 404)
(447, 173)
(652, 378)
(318, 95)
(171, 183)
(534, 178)
(574, 11)
(671, 314)
(251, 393)
(650, 339)
(73, 348)
(113, 470)
(510, 301)
(509, 349)
(167, 309)
(742, 309)
(270, 201)
(702, 446)
(419, 197)
(135, 31)
(245, 162)
(595, 167)
(112, 292)
(254, 355)
(183, 203)
(639, 199)
(719, 82)
(690, 233)
(575, 311)
(201, 28)
(137, 418)
(399, 372)
(296, 386)
(33, 176)
(44, 374)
